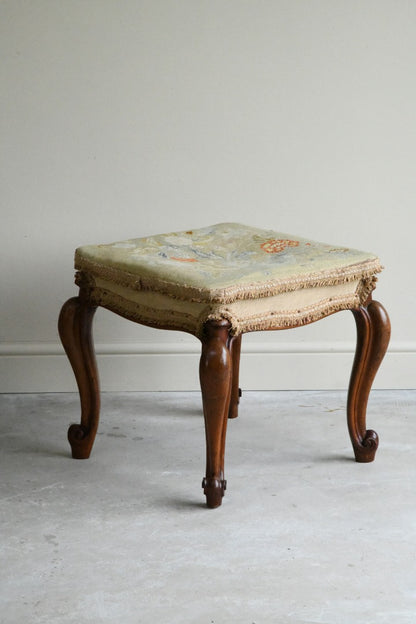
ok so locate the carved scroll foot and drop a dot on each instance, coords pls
(235, 349)
(214, 491)
(373, 335)
(75, 322)
(215, 372)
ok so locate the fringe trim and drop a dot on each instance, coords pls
(365, 288)
(288, 319)
(181, 321)
(363, 270)
(144, 315)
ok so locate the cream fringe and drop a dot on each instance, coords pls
(184, 292)
(181, 321)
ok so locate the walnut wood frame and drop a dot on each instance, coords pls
(219, 378)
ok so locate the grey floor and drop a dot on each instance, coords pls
(304, 534)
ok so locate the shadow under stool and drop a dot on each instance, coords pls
(218, 283)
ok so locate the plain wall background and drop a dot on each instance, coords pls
(128, 118)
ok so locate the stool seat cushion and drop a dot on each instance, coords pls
(257, 279)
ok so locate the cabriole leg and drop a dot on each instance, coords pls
(215, 376)
(75, 322)
(373, 335)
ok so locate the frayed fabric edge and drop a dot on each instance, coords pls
(185, 292)
(181, 321)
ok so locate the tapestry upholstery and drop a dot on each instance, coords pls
(256, 279)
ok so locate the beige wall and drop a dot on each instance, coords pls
(127, 118)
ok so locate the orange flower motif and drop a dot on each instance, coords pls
(184, 259)
(278, 245)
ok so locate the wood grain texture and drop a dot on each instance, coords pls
(373, 335)
(74, 325)
(215, 373)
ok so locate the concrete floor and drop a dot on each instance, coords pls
(304, 533)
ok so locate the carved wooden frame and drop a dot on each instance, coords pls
(219, 378)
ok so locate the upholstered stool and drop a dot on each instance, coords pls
(218, 283)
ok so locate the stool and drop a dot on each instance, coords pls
(218, 283)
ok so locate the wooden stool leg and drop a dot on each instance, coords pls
(215, 375)
(235, 349)
(373, 335)
(75, 322)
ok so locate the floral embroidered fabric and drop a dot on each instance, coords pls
(224, 263)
